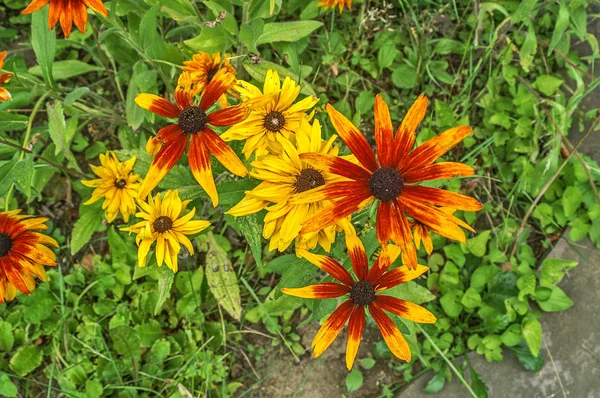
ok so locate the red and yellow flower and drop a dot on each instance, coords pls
(67, 12)
(363, 292)
(392, 178)
(194, 121)
(327, 4)
(4, 78)
(23, 253)
(203, 67)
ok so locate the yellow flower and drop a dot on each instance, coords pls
(203, 67)
(4, 78)
(279, 118)
(163, 222)
(282, 176)
(117, 185)
(327, 4)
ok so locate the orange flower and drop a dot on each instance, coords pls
(335, 3)
(203, 67)
(362, 293)
(22, 253)
(391, 178)
(67, 11)
(4, 78)
(193, 120)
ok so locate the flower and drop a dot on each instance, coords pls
(22, 253)
(4, 78)
(280, 117)
(67, 11)
(361, 293)
(164, 223)
(284, 174)
(203, 67)
(335, 3)
(117, 185)
(392, 179)
(421, 233)
(193, 120)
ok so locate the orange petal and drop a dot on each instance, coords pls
(392, 336)
(405, 309)
(405, 136)
(336, 165)
(435, 219)
(383, 132)
(228, 116)
(169, 133)
(158, 105)
(199, 158)
(399, 275)
(18, 277)
(340, 209)
(353, 138)
(4, 95)
(34, 6)
(428, 152)
(80, 15)
(404, 238)
(358, 256)
(328, 265)
(164, 161)
(441, 197)
(319, 291)
(222, 80)
(438, 171)
(5, 77)
(223, 152)
(97, 6)
(389, 254)
(54, 11)
(331, 191)
(66, 19)
(356, 325)
(331, 328)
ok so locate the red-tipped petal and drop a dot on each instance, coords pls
(441, 197)
(390, 332)
(357, 142)
(405, 238)
(399, 275)
(169, 133)
(34, 6)
(356, 325)
(97, 6)
(158, 105)
(437, 221)
(405, 309)
(331, 328)
(358, 256)
(336, 165)
(318, 291)
(328, 265)
(80, 15)
(340, 209)
(383, 132)
(405, 136)
(222, 80)
(228, 116)
(223, 152)
(332, 191)
(199, 158)
(389, 254)
(438, 171)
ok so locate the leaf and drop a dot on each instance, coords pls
(7, 387)
(451, 303)
(75, 95)
(149, 332)
(532, 333)
(367, 363)
(249, 34)
(571, 200)
(222, 280)
(90, 218)
(404, 76)
(93, 389)
(126, 341)
(528, 48)
(529, 362)
(60, 132)
(512, 336)
(43, 42)
(287, 31)
(354, 380)
(562, 22)
(64, 70)
(165, 282)
(6, 337)
(151, 41)
(447, 46)
(23, 174)
(523, 11)
(478, 245)
(558, 301)
(26, 359)
(250, 228)
(211, 40)
(477, 384)
(12, 121)
(387, 54)
(471, 298)
(259, 72)
(548, 85)
(554, 269)
(411, 291)
(435, 384)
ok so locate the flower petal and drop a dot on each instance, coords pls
(328, 265)
(405, 136)
(319, 291)
(331, 328)
(390, 332)
(441, 197)
(405, 309)
(228, 116)
(158, 105)
(224, 154)
(331, 191)
(358, 256)
(329, 215)
(222, 81)
(438, 171)
(356, 325)
(383, 132)
(437, 221)
(336, 165)
(398, 275)
(199, 158)
(357, 142)
(97, 6)
(34, 6)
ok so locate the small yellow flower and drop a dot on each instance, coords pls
(117, 185)
(203, 67)
(4, 78)
(279, 118)
(163, 222)
(284, 175)
(327, 4)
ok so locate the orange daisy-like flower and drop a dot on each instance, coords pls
(392, 178)
(193, 125)
(4, 78)
(203, 67)
(327, 4)
(22, 253)
(361, 293)
(67, 11)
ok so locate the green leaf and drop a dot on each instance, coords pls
(75, 95)
(548, 85)
(165, 281)
(523, 11)
(7, 387)
(447, 46)
(558, 301)
(526, 285)
(404, 76)
(151, 41)
(354, 380)
(571, 200)
(221, 278)
(43, 42)
(478, 245)
(250, 33)
(287, 31)
(532, 333)
(471, 298)
(554, 269)
(451, 303)
(562, 22)
(387, 54)
(211, 40)
(367, 363)
(12, 121)
(411, 291)
(126, 341)
(435, 384)
(61, 132)
(90, 219)
(26, 359)
(64, 70)
(512, 336)
(529, 362)
(6, 337)
(93, 389)
(149, 332)
(250, 228)
(23, 174)
(528, 48)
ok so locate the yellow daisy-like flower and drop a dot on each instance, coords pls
(117, 185)
(279, 118)
(4, 78)
(163, 222)
(282, 176)
(327, 4)
(203, 67)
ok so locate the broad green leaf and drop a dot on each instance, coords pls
(23, 174)
(221, 278)
(151, 41)
(165, 281)
(367, 363)
(558, 301)
(93, 389)
(471, 298)
(478, 245)
(287, 31)
(532, 332)
(90, 219)
(528, 48)
(404, 76)
(64, 70)
(524, 11)
(249, 34)
(482, 275)
(12, 121)
(61, 132)
(126, 341)
(562, 22)
(526, 285)
(26, 359)
(447, 46)
(211, 40)
(250, 228)
(512, 336)
(43, 42)
(571, 200)
(7, 387)
(387, 54)
(435, 384)
(354, 380)
(411, 291)
(451, 303)
(149, 332)
(6, 337)
(548, 84)
(554, 269)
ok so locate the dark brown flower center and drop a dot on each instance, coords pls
(386, 183)
(309, 179)
(162, 224)
(5, 244)
(362, 293)
(274, 121)
(120, 183)
(192, 119)
(211, 73)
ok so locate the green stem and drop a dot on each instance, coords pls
(458, 374)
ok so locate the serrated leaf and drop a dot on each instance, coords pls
(7, 387)
(222, 280)
(26, 359)
(126, 341)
